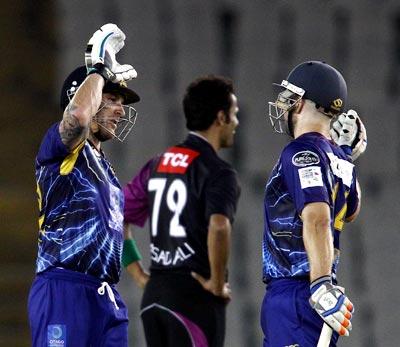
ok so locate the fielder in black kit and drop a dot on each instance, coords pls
(190, 195)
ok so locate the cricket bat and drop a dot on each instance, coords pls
(325, 337)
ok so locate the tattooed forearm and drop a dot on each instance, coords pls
(71, 131)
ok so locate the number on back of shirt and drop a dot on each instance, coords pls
(175, 196)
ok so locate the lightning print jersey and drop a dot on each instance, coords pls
(310, 169)
(180, 190)
(81, 209)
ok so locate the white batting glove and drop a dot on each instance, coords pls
(344, 128)
(360, 143)
(332, 305)
(100, 54)
(349, 132)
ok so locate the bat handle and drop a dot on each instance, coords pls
(325, 337)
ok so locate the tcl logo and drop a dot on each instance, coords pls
(176, 160)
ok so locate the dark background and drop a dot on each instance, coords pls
(171, 42)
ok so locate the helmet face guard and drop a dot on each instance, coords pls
(125, 123)
(286, 101)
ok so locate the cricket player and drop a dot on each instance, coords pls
(73, 300)
(190, 197)
(311, 193)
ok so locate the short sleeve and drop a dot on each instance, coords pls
(136, 209)
(222, 193)
(52, 148)
(304, 171)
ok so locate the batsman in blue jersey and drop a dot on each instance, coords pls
(311, 193)
(73, 300)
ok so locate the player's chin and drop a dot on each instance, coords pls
(226, 143)
(110, 134)
(106, 134)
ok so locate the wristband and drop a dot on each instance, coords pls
(130, 252)
(318, 282)
(103, 71)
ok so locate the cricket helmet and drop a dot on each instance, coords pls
(126, 123)
(312, 80)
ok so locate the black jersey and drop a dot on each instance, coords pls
(180, 190)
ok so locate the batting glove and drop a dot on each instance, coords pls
(100, 54)
(332, 305)
(359, 144)
(349, 132)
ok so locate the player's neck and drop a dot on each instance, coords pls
(95, 141)
(311, 129)
(312, 123)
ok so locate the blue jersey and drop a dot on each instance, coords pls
(81, 210)
(310, 169)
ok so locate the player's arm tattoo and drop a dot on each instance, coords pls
(71, 131)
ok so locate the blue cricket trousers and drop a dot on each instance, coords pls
(71, 309)
(287, 319)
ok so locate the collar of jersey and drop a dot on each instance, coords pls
(202, 138)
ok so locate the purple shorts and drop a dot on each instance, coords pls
(71, 309)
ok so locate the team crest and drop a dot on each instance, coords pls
(305, 158)
(337, 104)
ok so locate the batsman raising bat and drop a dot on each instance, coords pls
(73, 300)
(311, 193)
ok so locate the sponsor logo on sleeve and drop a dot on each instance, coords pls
(310, 177)
(176, 160)
(305, 158)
